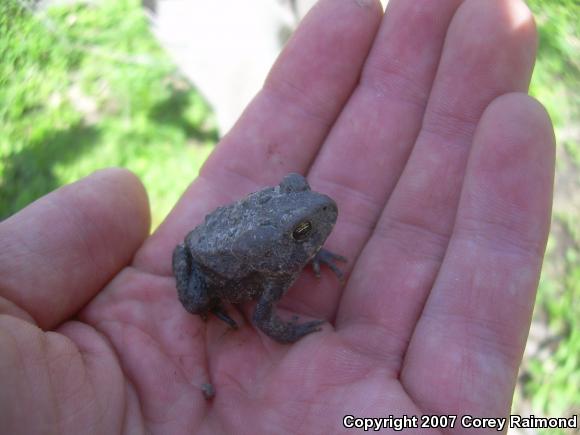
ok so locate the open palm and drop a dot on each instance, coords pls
(418, 125)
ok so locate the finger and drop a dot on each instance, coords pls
(366, 150)
(411, 236)
(61, 250)
(284, 125)
(469, 341)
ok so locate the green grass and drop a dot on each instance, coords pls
(551, 376)
(85, 87)
(82, 88)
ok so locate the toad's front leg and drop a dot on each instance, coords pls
(324, 256)
(267, 320)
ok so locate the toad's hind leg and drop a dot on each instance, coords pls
(191, 287)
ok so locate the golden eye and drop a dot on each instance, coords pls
(302, 230)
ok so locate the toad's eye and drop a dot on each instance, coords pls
(302, 230)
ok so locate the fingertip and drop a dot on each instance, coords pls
(522, 22)
(518, 12)
(504, 28)
(507, 14)
(114, 205)
(523, 108)
(523, 122)
(62, 249)
(509, 182)
(130, 194)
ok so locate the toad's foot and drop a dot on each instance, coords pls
(287, 332)
(268, 321)
(328, 258)
(221, 314)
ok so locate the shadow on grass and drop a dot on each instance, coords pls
(172, 112)
(29, 174)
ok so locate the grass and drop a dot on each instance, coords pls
(550, 375)
(84, 87)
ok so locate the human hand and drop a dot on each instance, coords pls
(419, 127)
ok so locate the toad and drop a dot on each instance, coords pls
(254, 249)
